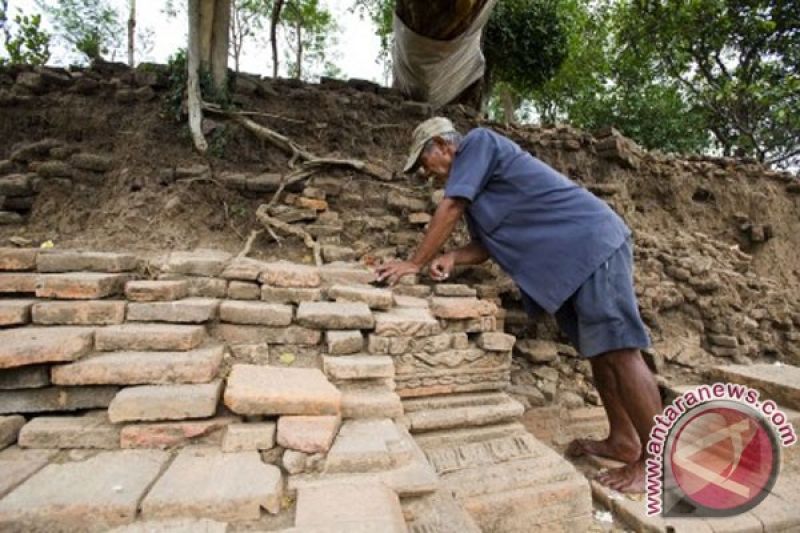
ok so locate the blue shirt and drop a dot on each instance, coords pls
(545, 231)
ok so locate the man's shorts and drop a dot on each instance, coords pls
(602, 315)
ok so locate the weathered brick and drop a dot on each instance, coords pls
(187, 310)
(309, 434)
(259, 313)
(17, 185)
(51, 499)
(81, 313)
(55, 399)
(25, 377)
(358, 367)
(339, 506)
(199, 262)
(243, 269)
(149, 337)
(92, 162)
(140, 368)
(80, 285)
(496, 341)
(18, 258)
(89, 431)
(10, 427)
(153, 290)
(454, 289)
(18, 465)
(457, 308)
(375, 400)
(406, 321)
(344, 342)
(76, 261)
(244, 290)
(290, 275)
(29, 346)
(18, 282)
(289, 294)
(259, 390)
(375, 298)
(165, 402)
(345, 273)
(244, 334)
(15, 312)
(175, 433)
(249, 436)
(192, 484)
(200, 286)
(335, 315)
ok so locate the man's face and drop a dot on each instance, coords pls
(436, 161)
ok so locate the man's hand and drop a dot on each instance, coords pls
(392, 272)
(442, 266)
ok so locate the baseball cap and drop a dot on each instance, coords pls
(424, 133)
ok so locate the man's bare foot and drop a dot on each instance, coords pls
(622, 451)
(628, 478)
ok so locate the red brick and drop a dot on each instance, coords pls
(81, 313)
(80, 285)
(18, 258)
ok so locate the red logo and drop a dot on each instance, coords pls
(723, 458)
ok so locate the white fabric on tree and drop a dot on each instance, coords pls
(438, 71)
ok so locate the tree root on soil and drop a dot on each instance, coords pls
(270, 222)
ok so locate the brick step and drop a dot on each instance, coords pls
(80, 285)
(18, 258)
(18, 282)
(143, 337)
(778, 382)
(200, 365)
(50, 399)
(354, 367)
(62, 496)
(75, 261)
(427, 414)
(203, 482)
(165, 402)
(92, 430)
(34, 345)
(156, 290)
(186, 310)
(508, 480)
(370, 399)
(348, 506)
(15, 312)
(266, 390)
(438, 512)
(79, 313)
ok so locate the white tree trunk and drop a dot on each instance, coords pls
(131, 31)
(194, 98)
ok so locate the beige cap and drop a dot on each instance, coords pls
(424, 133)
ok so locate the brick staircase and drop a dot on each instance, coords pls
(201, 390)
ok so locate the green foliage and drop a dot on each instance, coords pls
(309, 31)
(28, 44)
(381, 13)
(248, 19)
(91, 27)
(737, 62)
(525, 41)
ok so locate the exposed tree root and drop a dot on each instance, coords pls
(263, 216)
(249, 244)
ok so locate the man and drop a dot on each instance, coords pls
(568, 252)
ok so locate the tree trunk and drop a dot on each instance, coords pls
(131, 31)
(509, 106)
(299, 56)
(443, 19)
(194, 98)
(273, 34)
(219, 43)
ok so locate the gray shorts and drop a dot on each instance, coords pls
(602, 315)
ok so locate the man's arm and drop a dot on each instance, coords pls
(442, 224)
(472, 254)
(447, 215)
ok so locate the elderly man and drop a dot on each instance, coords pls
(568, 252)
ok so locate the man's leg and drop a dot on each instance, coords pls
(634, 383)
(622, 443)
